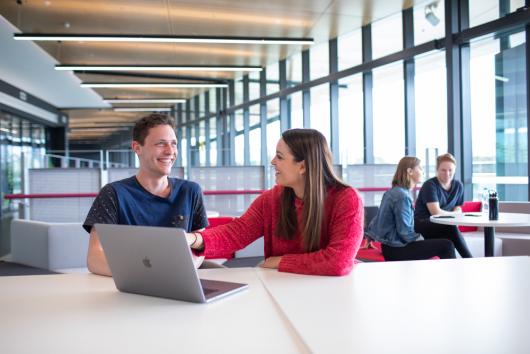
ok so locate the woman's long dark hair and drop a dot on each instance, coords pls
(310, 146)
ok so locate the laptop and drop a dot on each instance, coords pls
(157, 261)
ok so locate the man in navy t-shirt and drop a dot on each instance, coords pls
(441, 195)
(151, 198)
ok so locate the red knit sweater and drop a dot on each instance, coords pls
(341, 236)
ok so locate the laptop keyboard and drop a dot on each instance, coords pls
(208, 291)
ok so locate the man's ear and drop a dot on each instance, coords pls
(135, 146)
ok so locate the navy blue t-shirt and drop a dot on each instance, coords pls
(126, 202)
(432, 191)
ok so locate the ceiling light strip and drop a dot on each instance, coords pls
(155, 68)
(143, 109)
(174, 85)
(160, 39)
(164, 100)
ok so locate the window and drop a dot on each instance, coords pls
(498, 118)
(254, 92)
(239, 140)
(387, 36)
(213, 142)
(273, 78)
(255, 146)
(319, 112)
(350, 49)
(273, 135)
(238, 91)
(388, 108)
(201, 144)
(319, 60)
(429, 21)
(482, 11)
(351, 121)
(213, 100)
(294, 104)
(294, 70)
(431, 109)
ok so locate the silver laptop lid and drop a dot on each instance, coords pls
(155, 261)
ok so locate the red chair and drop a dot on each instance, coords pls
(469, 207)
(217, 221)
(370, 251)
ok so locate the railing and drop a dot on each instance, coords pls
(218, 192)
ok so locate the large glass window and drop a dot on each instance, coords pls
(319, 60)
(294, 69)
(254, 85)
(296, 111)
(319, 112)
(429, 21)
(351, 122)
(482, 11)
(387, 36)
(213, 100)
(498, 118)
(431, 109)
(350, 49)
(238, 91)
(388, 108)
(254, 115)
(239, 139)
(213, 142)
(202, 143)
(273, 135)
(255, 146)
(273, 78)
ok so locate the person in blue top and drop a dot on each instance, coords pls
(393, 224)
(441, 195)
(151, 198)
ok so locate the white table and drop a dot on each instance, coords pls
(482, 220)
(444, 306)
(478, 305)
(84, 313)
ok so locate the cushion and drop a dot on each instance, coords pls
(469, 207)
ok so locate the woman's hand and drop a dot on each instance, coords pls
(194, 240)
(271, 262)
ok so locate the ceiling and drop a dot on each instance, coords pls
(317, 19)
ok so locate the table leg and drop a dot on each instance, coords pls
(489, 241)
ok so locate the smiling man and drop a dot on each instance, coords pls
(151, 198)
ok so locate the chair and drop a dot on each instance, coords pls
(469, 207)
(370, 251)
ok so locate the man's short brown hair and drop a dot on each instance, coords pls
(445, 158)
(142, 126)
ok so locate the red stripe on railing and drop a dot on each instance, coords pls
(220, 192)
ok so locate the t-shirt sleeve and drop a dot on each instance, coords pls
(104, 210)
(429, 193)
(199, 218)
(460, 200)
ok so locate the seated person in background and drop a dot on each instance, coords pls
(312, 222)
(441, 195)
(150, 198)
(393, 224)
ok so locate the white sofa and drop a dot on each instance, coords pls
(54, 246)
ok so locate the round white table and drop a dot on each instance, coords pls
(482, 220)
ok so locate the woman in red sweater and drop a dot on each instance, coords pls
(311, 221)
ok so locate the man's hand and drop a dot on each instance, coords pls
(271, 262)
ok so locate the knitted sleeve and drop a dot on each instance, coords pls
(238, 233)
(345, 235)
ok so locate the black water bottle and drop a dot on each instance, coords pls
(493, 202)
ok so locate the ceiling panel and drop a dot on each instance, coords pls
(318, 19)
